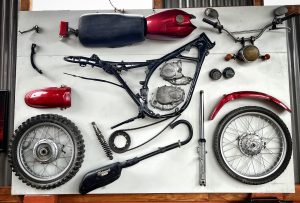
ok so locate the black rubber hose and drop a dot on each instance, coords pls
(32, 61)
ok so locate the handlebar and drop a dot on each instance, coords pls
(214, 24)
(273, 24)
(289, 17)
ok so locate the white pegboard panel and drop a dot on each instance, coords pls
(175, 171)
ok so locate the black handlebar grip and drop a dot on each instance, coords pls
(214, 24)
(289, 16)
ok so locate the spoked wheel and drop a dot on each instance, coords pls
(46, 151)
(253, 145)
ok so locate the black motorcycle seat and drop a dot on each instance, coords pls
(111, 30)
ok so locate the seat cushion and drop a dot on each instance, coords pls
(111, 30)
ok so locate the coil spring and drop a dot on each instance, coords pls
(102, 141)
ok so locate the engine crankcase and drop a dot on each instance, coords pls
(167, 97)
(172, 72)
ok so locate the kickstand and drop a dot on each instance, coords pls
(127, 121)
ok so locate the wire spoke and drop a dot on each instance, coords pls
(59, 156)
(235, 147)
(253, 166)
(239, 162)
(271, 153)
(262, 128)
(263, 163)
(230, 142)
(236, 128)
(43, 170)
(233, 157)
(249, 123)
(232, 134)
(57, 167)
(247, 166)
(257, 150)
(243, 124)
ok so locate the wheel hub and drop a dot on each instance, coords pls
(45, 151)
(251, 144)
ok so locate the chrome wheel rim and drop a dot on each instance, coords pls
(253, 145)
(46, 151)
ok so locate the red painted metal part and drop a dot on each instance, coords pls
(50, 97)
(228, 57)
(246, 94)
(64, 29)
(169, 24)
(265, 57)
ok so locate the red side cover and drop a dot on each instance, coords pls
(50, 97)
(169, 24)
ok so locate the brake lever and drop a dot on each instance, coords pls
(35, 28)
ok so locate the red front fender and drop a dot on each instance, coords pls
(50, 97)
(246, 94)
(169, 24)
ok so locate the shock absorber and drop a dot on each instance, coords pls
(102, 141)
(201, 147)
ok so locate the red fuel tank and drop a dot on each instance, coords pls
(169, 24)
(50, 97)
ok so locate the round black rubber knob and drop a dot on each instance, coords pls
(228, 73)
(215, 74)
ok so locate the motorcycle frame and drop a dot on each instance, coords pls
(201, 43)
